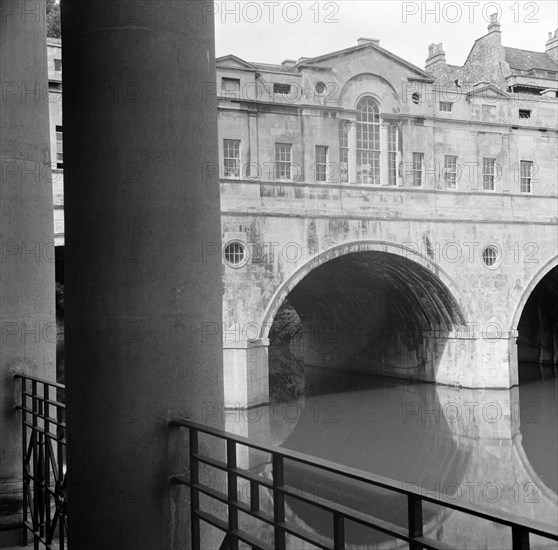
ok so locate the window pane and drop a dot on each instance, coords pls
(368, 141)
(344, 150)
(231, 158)
(283, 161)
(450, 171)
(321, 163)
(526, 175)
(488, 173)
(230, 87)
(418, 163)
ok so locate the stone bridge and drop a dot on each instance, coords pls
(418, 284)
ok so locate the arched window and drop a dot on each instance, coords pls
(368, 141)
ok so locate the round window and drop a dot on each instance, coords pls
(320, 88)
(234, 253)
(416, 98)
(490, 256)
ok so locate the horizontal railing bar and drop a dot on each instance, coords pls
(218, 495)
(262, 516)
(240, 472)
(348, 472)
(49, 401)
(211, 461)
(202, 488)
(46, 418)
(40, 381)
(224, 526)
(349, 513)
(328, 506)
(303, 534)
(45, 433)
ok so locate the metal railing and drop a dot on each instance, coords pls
(521, 529)
(44, 462)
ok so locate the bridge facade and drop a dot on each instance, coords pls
(407, 217)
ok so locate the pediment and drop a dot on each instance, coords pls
(234, 62)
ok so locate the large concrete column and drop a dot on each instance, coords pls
(140, 206)
(26, 232)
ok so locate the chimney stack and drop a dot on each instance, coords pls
(552, 45)
(436, 60)
(494, 25)
(374, 41)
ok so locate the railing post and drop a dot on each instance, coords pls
(47, 458)
(194, 495)
(520, 538)
(338, 532)
(414, 510)
(24, 463)
(232, 493)
(254, 497)
(278, 501)
(40, 472)
(61, 459)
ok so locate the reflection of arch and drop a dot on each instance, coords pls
(535, 280)
(282, 290)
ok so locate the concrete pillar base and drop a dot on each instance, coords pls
(246, 370)
(486, 362)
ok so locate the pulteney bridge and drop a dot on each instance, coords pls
(408, 216)
(388, 280)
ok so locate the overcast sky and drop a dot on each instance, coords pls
(271, 31)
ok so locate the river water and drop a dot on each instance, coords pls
(492, 448)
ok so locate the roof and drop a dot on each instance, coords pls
(525, 60)
(270, 67)
(375, 46)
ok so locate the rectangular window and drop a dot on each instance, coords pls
(284, 89)
(526, 175)
(344, 150)
(392, 154)
(231, 158)
(59, 148)
(450, 171)
(446, 106)
(321, 163)
(524, 113)
(58, 65)
(418, 169)
(283, 161)
(488, 174)
(230, 87)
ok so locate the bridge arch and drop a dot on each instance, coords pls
(281, 290)
(372, 306)
(528, 291)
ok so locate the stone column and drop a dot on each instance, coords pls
(27, 320)
(142, 202)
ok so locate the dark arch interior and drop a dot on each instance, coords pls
(537, 341)
(377, 312)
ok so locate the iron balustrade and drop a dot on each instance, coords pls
(43, 434)
(521, 529)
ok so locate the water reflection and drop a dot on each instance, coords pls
(492, 448)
